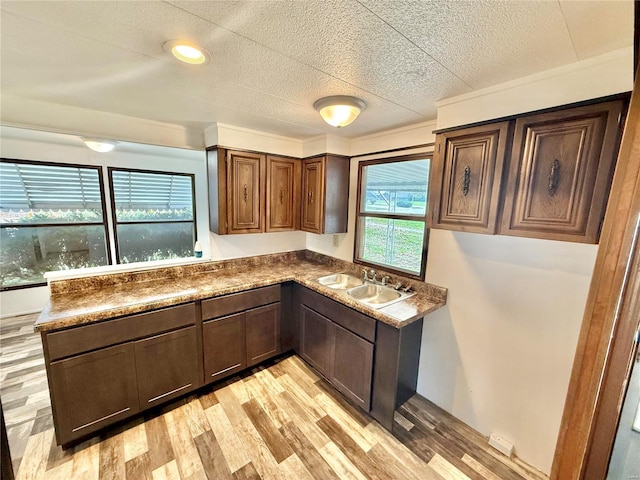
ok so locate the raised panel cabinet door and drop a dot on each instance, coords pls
(466, 178)
(224, 346)
(245, 193)
(167, 366)
(316, 340)
(283, 194)
(92, 390)
(263, 333)
(560, 171)
(352, 367)
(312, 195)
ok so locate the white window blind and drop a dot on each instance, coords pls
(140, 190)
(38, 187)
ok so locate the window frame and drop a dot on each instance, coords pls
(103, 204)
(362, 215)
(112, 199)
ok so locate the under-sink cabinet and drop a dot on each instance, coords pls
(371, 363)
(104, 372)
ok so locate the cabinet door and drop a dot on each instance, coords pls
(283, 194)
(316, 342)
(560, 171)
(466, 178)
(93, 390)
(224, 346)
(352, 367)
(167, 366)
(245, 194)
(263, 333)
(312, 195)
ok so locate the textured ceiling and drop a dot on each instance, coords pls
(272, 60)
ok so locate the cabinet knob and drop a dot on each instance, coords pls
(554, 177)
(466, 179)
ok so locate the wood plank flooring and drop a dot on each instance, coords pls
(278, 421)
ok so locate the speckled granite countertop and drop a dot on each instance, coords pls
(90, 299)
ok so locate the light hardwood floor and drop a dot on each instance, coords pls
(279, 421)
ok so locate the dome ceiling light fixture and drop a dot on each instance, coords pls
(187, 52)
(339, 110)
(100, 146)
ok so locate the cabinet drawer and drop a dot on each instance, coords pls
(237, 302)
(354, 321)
(90, 337)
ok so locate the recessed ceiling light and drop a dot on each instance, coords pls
(100, 146)
(187, 52)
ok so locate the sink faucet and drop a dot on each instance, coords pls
(365, 276)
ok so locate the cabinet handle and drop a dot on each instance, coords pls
(246, 193)
(465, 180)
(310, 197)
(281, 196)
(554, 177)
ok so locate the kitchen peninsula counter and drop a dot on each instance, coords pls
(85, 300)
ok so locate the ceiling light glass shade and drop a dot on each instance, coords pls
(101, 146)
(339, 111)
(187, 52)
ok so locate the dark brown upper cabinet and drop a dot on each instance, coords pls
(466, 177)
(236, 191)
(540, 175)
(283, 194)
(245, 192)
(325, 194)
(560, 173)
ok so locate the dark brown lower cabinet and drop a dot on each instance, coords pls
(105, 372)
(241, 330)
(92, 390)
(167, 366)
(224, 346)
(352, 366)
(373, 364)
(315, 340)
(263, 333)
(345, 359)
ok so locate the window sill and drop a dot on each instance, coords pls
(125, 267)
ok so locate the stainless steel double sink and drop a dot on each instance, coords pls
(373, 295)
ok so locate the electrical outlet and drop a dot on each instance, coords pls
(336, 240)
(500, 444)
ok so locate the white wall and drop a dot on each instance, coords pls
(499, 355)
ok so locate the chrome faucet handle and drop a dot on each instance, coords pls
(364, 275)
(384, 279)
(398, 286)
(407, 289)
